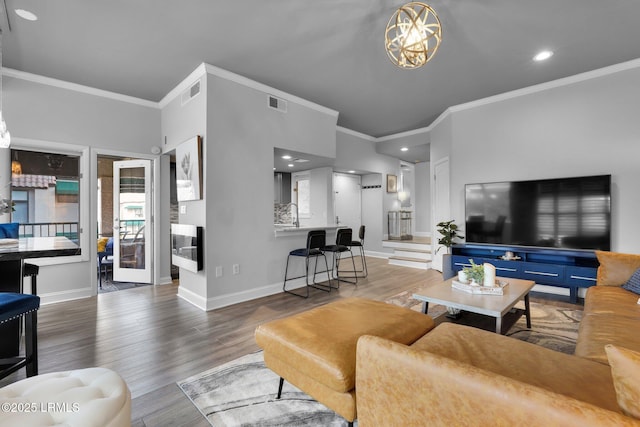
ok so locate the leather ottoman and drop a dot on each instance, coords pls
(316, 350)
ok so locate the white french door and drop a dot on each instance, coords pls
(132, 225)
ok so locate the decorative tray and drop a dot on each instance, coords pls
(481, 290)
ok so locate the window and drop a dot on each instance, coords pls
(45, 192)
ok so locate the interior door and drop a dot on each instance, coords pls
(132, 221)
(347, 203)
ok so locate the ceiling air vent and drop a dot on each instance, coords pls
(191, 93)
(277, 104)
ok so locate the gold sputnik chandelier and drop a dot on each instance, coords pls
(413, 35)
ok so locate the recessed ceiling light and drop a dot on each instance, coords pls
(541, 56)
(25, 14)
(290, 165)
(286, 157)
(404, 149)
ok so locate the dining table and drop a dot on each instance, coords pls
(13, 253)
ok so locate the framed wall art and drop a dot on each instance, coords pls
(392, 184)
(189, 169)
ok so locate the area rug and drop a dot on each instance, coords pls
(243, 391)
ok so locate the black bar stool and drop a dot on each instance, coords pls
(343, 242)
(360, 244)
(31, 270)
(316, 239)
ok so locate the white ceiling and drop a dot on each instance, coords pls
(330, 52)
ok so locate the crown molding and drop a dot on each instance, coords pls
(404, 134)
(183, 85)
(356, 134)
(36, 78)
(565, 81)
(244, 81)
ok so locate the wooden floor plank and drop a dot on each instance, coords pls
(153, 339)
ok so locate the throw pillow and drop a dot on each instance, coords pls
(616, 268)
(633, 284)
(102, 244)
(625, 370)
(9, 230)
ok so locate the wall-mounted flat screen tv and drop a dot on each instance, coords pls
(570, 213)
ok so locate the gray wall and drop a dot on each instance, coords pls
(359, 154)
(179, 123)
(242, 133)
(585, 128)
(56, 118)
(422, 198)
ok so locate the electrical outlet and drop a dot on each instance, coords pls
(183, 209)
(219, 271)
(236, 268)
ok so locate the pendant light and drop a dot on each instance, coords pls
(413, 35)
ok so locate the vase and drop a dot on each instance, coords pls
(462, 277)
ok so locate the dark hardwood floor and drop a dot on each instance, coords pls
(153, 339)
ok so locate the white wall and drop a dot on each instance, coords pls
(590, 127)
(56, 118)
(422, 199)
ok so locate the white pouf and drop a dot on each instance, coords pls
(82, 398)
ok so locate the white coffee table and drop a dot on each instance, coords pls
(496, 306)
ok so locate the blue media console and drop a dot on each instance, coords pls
(565, 268)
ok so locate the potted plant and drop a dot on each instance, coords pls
(475, 273)
(449, 232)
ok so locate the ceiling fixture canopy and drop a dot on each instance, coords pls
(413, 35)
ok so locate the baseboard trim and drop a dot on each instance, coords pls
(54, 297)
(374, 254)
(165, 280)
(243, 296)
(192, 298)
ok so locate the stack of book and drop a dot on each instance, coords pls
(498, 289)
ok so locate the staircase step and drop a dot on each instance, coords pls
(412, 253)
(406, 244)
(410, 262)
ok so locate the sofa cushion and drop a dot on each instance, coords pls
(525, 362)
(625, 369)
(611, 300)
(616, 268)
(633, 284)
(611, 316)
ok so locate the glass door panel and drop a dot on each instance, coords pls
(132, 226)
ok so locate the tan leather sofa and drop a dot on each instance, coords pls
(458, 375)
(611, 314)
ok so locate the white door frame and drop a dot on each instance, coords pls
(441, 206)
(155, 159)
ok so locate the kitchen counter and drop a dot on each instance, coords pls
(281, 230)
